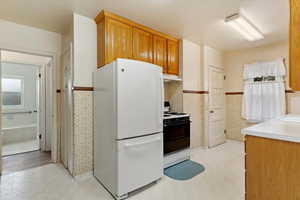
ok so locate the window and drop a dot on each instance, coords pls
(264, 91)
(12, 92)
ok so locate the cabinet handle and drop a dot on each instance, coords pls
(142, 143)
(212, 111)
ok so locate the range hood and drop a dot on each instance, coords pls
(168, 77)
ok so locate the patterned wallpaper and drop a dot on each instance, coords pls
(83, 132)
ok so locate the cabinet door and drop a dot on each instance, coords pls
(272, 169)
(142, 48)
(295, 45)
(160, 52)
(118, 40)
(173, 61)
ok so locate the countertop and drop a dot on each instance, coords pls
(286, 128)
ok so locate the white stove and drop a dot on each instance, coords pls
(172, 115)
(176, 138)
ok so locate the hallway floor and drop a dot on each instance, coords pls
(20, 147)
(23, 161)
(222, 179)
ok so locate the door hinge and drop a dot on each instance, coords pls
(224, 77)
(40, 136)
(225, 131)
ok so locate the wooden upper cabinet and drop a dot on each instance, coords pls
(142, 45)
(295, 45)
(118, 37)
(173, 57)
(119, 40)
(160, 52)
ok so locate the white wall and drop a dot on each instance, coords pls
(30, 59)
(28, 38)
(68, 37)
(192, 68)
(85, 50)
(235, 61)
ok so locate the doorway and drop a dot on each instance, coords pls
(25, 131)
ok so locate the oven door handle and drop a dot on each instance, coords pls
(179, 124)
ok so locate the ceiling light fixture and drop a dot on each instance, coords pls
(244, 27)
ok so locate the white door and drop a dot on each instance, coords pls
(140, 162)
(66, 135)
(49, 103)
(216, 113)
(42, 108)
(0, 114)
(140, 99)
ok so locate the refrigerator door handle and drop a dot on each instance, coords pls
(142, 143)
(161, 102)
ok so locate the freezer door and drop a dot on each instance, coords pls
(140, 162)
(140, 99)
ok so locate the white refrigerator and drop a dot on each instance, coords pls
(128, 125)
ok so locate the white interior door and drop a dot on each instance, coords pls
(140, 99)
(216, 112)
(66, 135)
(0, 114)
(49, 103)
(42, 109)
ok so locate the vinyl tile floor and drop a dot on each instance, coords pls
(20, 147)
(23, 161)
(223, 179)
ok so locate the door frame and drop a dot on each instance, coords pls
(210, 68)
(53, 115)
(67, 139)
(48, 77)
(0, 114)
(43, 109)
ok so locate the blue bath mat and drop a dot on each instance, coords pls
(184, 170)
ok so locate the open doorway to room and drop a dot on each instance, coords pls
(26, 129)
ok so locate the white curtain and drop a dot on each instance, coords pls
(264, 91)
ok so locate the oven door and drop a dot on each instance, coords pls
(176, 135)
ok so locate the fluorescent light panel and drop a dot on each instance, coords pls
(244, 27)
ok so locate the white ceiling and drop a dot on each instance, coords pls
(23, 58)
(201, 21)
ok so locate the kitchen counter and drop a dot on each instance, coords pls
(272, 165)
(286, 128)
